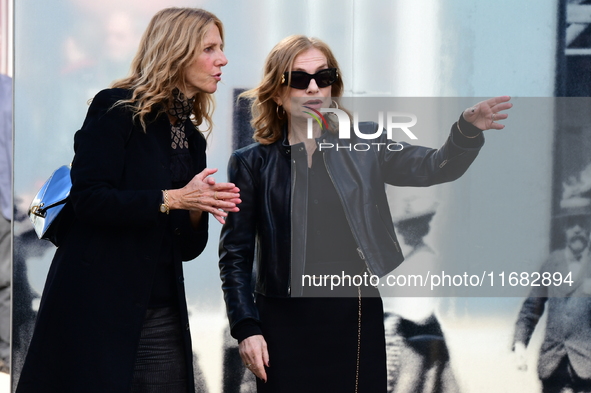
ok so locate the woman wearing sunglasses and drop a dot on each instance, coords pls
(307, 212)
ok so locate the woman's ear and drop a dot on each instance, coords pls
(278, 100)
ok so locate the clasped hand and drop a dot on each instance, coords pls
(203, 194)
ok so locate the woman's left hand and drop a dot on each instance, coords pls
(203, 194)
(485, 114)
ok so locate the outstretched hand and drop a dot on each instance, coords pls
(203, 194)
(485, 114)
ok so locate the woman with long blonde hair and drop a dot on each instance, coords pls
(113, 316)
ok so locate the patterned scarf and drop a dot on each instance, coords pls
(181, 163)
(181, 108)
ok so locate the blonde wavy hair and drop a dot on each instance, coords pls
(168, 46)
(265, 120)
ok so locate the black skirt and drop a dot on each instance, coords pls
(160, 365)
(313, 344)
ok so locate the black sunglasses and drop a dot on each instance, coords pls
(301, 80)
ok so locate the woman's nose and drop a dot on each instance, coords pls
(222, 60)
(312, 87)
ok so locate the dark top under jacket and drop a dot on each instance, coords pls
(100, 281)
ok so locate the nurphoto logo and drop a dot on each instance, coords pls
(392, 123)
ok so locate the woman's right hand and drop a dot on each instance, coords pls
(254, 354)
(520, 356)
(485, 114)
(203, 194)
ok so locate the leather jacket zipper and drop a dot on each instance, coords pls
(389, 235)
(292, 185)
(447, 160)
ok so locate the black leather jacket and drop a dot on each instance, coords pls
(272, 232)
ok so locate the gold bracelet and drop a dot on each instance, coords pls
(466, 136)
(164, 207)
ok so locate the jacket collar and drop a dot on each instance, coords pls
(298, 149)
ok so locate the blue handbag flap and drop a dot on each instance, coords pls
(50, 200)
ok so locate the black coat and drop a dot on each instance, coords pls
(99, 283)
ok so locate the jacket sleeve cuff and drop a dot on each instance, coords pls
(466, 135)
(246, 328)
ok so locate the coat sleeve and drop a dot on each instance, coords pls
(529, 316)
(194, 240)
(531, 312)
(418, 166)
(237, 246)
(98, 165)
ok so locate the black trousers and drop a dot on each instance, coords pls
(160, 365)
(565, 377)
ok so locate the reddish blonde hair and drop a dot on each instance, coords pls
(268, 126)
